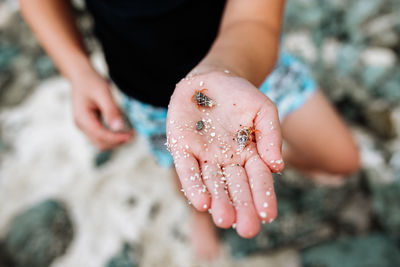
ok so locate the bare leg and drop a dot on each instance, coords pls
(203, 236)
(318, 140)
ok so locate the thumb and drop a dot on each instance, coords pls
(110, 112)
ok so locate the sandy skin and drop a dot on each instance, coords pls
(214, 174)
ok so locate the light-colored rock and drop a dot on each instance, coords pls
(379, 118)
(381, 30)
(301, 44)
(380, 24)
(356, 214)
(330, 50)
(396, 120)
(372, 158)
(7, 10)
(377, 56)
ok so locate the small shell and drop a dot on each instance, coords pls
(203, 100)
(243, 137)
(199, 125)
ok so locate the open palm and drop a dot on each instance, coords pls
(215, 174)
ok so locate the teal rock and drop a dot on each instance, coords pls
(39, 235)
(102, 157)
(44, 67)
(359, 11)
(390, 89)
(3, 146)
(127, 257)
(310, 17)
(373, 76)
(7, 54)
(386, 199)
(372, 250)
(348, 59)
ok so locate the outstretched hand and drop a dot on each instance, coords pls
(236, 186)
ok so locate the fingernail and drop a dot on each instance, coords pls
(117, 125)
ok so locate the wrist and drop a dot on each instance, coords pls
(208, 65)
(81, 74)
(79, 68)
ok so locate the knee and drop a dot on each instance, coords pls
(345, 162)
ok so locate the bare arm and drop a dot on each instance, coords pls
(54, 26)
(248, 41)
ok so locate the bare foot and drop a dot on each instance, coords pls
(203, 237)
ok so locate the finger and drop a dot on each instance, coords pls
(223, 212)
(269, 138)
(110, 111)
(89, 123)
(102, 134)
(247, 222)
(262, 188)
(189, 174)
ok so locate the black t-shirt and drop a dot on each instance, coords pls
(149, 45)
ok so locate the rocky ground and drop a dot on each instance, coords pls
(62, 204)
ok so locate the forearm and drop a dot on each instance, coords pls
(246, 50)
(54, 26)
(247, 44)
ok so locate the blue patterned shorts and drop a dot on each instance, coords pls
(289, 86)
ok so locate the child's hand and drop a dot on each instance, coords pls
(91, 101)
(237, 186)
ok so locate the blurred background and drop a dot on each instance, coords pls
(64, 204)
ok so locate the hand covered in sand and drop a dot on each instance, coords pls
(236, 184)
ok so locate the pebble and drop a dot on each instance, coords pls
(199, 125)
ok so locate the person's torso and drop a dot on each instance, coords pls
(150, 45)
